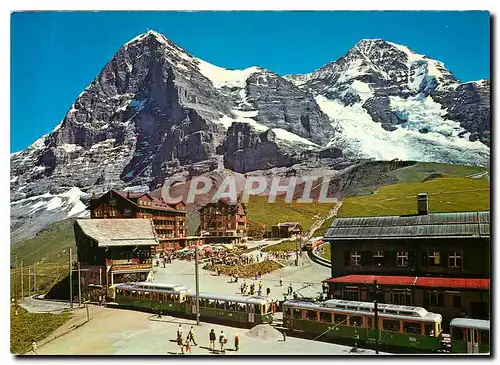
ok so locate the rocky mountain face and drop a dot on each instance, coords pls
(155, 111)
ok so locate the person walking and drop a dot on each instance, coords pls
(179, 330)
(260, 284)
(236, 278)
(281, 281)
(180, 343)
(268, 291)
(290, 289)
(212, 339)
(259, 292)
(191, 336)
(222, 342)
(236, 342)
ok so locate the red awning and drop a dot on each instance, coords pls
(421, 281)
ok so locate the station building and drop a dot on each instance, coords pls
(112, 251)
(440, 261)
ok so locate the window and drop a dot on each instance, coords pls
(391, 325)
(311, 315)
(286, 312)
(369, 322)
(401, 297)
(429, 329)
(355, 258)
(455, 260)
(412, 327)
(402, 258)
(433, 258)
(435, 299)
(356, 321)
(325, 317)
(485, 336)
(350, 293)
(378, 258)
(297, 313)
(340, 319)
(457, 334)
(258, 309)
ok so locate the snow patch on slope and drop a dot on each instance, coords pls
(292, 137)
(221, 77)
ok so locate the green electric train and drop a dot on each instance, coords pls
(399, 326)
(176, 300)
(470, 336)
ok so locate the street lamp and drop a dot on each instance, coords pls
(202, 234)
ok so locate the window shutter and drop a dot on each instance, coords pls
(347, 258)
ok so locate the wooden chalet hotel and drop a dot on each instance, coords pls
(169, 220)
(224, 221)
(439, 261)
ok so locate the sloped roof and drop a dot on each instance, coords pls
(119, 232)
(434, 225)
(157, 203)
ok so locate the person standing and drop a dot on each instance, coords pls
(259, 293)
(281, 281)
(222, 342)
(34, 347)
(236, 342)
(212, 339)
(236, 278)
(268, 291)
(179, 330)
(290, 289)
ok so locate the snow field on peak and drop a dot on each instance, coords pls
(362, 137)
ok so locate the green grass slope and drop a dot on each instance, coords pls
(49, 245)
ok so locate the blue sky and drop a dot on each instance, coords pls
(55, 55)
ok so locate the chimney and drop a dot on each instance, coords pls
(423, 204)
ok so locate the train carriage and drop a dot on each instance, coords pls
(399, 326)
(230, 308)
(470, 336)
(151, 297)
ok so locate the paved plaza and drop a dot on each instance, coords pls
(305, 278)
(117, 331)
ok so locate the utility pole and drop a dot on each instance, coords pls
(70, 281)
(29, 283)
(22, 282)
(34, 277)
(197, 285)
(15, 289)
(375, 311)
(79, 286)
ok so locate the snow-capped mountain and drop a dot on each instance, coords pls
(155, 110)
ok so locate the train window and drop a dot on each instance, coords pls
(146, 295)
(391, 325)
(369, 322)
(325, 317)
(297, 313)
(356, 321)
(258, 309)
(429, 329)
(311, 315)
(340, 318)
(211, 303)
(286, 312)
(412, 327)
(457, 334)
(241, 307)
(485, 336)
(231, 306)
